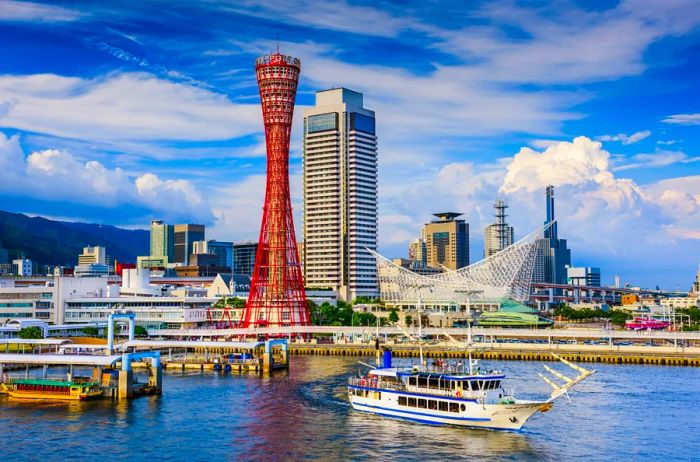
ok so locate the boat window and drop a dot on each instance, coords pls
(379, 395)
(465, 385)
(453, 384)
(422, 381)
(497, 384)
(454, 407)
(412, 402)
(422, 403)
(463, 407)
(443, 405)
(412, 381)
(403, 401)
(432, 404)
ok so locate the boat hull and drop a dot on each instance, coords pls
(38, 395)
(471, 414)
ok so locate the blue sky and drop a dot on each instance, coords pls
(120, 113)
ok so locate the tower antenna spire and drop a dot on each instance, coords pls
(278, 43)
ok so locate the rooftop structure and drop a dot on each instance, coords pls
(499, 235)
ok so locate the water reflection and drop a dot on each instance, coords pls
(619, 414)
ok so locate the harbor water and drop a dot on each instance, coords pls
(622, 413)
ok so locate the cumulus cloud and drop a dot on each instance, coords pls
(626, 139)
(58, 175)
(683, 119)
(122, 107)
(580, 161)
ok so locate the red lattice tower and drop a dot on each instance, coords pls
(277, 296)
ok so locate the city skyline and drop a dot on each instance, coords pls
(497, 100)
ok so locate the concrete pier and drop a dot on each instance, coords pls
(669, 356)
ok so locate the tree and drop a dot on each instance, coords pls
(31, 333)
(90, 331)
(408, 320)
(393, 316)
(140, 331)
(233, 302)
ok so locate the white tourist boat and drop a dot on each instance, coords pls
(444, 394)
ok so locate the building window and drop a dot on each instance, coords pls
(322, 122)
(362, 123)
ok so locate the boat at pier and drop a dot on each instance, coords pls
(77, 389)
(448, 394)
(641, 323)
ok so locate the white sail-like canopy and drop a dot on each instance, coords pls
(506, 274)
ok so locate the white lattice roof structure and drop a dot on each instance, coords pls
(506, 274)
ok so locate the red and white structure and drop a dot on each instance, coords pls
(277, 296)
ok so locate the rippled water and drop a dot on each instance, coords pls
(621, 413)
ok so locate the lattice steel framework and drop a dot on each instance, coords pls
(277, 296)
(506, 274)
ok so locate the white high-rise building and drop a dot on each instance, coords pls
(340, 194)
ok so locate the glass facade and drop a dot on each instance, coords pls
(244, 258)
(362, 123)
(322, 122)
(441, 241)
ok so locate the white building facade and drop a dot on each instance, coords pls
(340, 168)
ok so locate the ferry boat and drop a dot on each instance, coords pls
(640, 323)
(446, 395)
(77, 389)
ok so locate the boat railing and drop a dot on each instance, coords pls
(365, 382)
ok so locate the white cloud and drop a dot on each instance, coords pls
(683, 119)
(57, 175)
(542, 144)
(658, 159)
(624, 138)
(580, 161)
(561, 43)
(122, 107)
(11, 10)
(332, 15)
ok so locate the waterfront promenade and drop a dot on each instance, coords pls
(584, 345)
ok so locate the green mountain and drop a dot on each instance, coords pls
(52, 242)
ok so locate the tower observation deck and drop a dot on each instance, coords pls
(277, 296)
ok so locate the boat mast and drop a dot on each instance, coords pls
(420, 328)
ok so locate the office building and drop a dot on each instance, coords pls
(185, 237)
(417, 251)
(46, 301)
(447, 241)
(583, 276)
(340, 194)
(244, 258)
(553, 255)
(23, 267)
(95, 255)
(417, 266)
(93, 262)
(499, 235)
(223, 251)
(162, 240)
